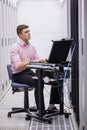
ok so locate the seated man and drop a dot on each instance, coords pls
(22, 52)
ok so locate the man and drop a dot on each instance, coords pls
(22, 52)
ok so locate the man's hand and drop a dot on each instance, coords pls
(39, 60)
(43, 60)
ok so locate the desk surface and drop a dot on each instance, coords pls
(42, 67)
(48, 67)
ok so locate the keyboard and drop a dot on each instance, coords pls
(42, 64)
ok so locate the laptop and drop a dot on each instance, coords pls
(59, 51)
(58, 54)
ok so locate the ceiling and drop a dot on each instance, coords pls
(15, 1)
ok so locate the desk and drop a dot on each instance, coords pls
(40, 70)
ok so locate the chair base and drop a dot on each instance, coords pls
(20, 110)
(30, 115)
(31, 109)
(57, 112)
(40, 119)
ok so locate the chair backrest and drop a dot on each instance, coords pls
(9, 71)
(17, 87)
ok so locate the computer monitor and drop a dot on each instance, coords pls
(59, 51)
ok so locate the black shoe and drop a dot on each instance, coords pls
(43, 113)
(33, 109)
(51, 110)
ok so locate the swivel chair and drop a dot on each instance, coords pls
(18, 87)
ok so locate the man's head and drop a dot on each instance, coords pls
(23, 32)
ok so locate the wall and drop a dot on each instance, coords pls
(47, 20)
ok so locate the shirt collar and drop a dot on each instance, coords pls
(22, 43)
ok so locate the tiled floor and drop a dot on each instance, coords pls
(18, 122)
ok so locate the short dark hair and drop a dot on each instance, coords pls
(20, 28)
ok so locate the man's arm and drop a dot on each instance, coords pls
(22, 66)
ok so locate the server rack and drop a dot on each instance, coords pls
(8, 22)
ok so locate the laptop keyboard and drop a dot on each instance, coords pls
(42, 64)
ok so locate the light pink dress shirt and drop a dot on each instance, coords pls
(20, 52)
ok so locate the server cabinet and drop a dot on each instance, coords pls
(0, 48)
(83, 63)
(7, 25)
(75, 58)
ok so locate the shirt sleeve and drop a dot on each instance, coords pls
(15, 57)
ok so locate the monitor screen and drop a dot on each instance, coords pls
(59, 51)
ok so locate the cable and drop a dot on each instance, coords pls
(61, 76)
(65, 75)
(70, 61)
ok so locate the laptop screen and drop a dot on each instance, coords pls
(59, 51)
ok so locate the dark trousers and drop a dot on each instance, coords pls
(54, 95)
(25, 77)
(55, 88)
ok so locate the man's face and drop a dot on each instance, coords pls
(25, 34)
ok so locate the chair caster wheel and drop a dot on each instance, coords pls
(27, 117)
(66, 115)
(9, 115)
